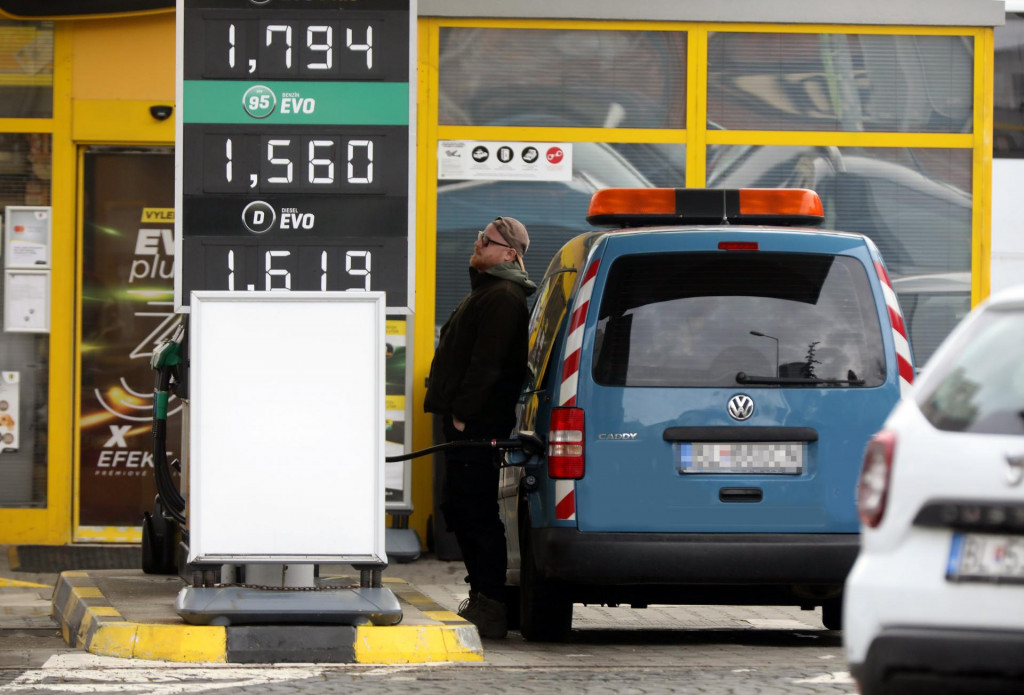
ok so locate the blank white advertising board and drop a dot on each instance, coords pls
(286, 427)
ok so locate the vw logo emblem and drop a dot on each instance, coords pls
(741, 407)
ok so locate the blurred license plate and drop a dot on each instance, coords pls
(742, 457)
(986, 558)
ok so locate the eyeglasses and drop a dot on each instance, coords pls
(487, 241)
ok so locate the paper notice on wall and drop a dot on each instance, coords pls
(504, 161)
(28, 237)
(27, 301)
(9, 418)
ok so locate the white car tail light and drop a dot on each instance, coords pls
(873, 487)
(565, 443)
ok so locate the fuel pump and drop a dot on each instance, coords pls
(164, 529)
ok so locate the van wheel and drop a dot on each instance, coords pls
(832, 613)
(545, 612)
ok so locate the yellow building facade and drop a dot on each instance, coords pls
(887, 114)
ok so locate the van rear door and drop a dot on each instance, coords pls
(731, 390)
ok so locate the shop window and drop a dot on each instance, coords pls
(553, 211)
(26, 70)
(840, 82)
(1008, 135)
(562, 78)
(915, 204)
(24, 168)
(24, 356)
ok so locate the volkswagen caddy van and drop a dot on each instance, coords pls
(706, 374)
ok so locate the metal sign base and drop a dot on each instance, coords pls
(402, 544)
(243, 605)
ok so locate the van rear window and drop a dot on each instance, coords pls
(699, 319)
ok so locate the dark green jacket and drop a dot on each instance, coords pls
(480, 362)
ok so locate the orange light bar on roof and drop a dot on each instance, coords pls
(638, 207)
(764, 202)
(638, 201)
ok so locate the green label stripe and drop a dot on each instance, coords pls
(312, 103)
(161, 404)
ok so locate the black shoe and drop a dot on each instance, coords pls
(469, 607)
(490, 617)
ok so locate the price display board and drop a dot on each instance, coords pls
(295, 152)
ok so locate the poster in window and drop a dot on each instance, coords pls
(127, 309)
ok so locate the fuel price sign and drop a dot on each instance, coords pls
(294, 147)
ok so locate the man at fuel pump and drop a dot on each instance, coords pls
(478, 370)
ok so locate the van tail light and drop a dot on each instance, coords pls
(873, 487)
(565, 443)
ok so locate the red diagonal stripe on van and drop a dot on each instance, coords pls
(899, 330)
(883, 274)
(905, 368)
(897, 322)
(571, 365)
(566, 506)
(579, 315)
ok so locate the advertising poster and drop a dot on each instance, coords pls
(395, 494)
(127, 308)
(10, 397)
(504, 161)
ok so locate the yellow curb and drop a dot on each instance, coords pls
(444, 616)
(106, 611)
(189, 643)
(27, 585)
(182, 643)
(88, 592)
(415, 644)
(102, 630)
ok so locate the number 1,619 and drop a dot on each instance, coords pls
(283, 270)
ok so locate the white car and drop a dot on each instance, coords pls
(935, 599)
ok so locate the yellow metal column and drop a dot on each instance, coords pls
(981, 179)
(426, 261)
(696, 107)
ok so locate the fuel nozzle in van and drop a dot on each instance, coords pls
(522, 449)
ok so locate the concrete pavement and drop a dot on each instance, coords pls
(138, 623)
(129, 614)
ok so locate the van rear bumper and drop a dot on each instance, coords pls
(672, 559)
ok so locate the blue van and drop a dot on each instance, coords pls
(706, 376)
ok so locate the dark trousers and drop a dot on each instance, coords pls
(470, 506)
